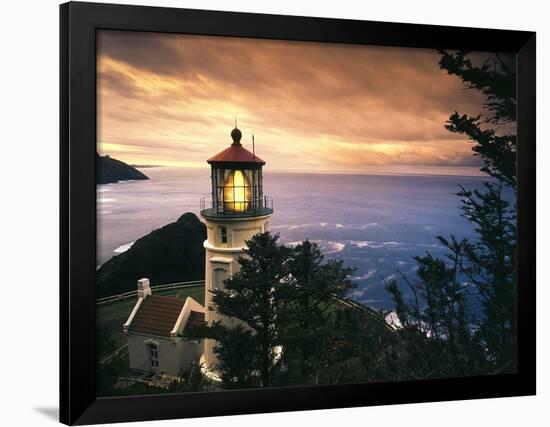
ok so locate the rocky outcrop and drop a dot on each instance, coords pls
(173, 253)
(109, 170)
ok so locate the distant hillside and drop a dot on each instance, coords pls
(110, 170)
(173, 253)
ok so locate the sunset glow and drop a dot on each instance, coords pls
(172, 100)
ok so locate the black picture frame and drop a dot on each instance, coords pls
(78, 25)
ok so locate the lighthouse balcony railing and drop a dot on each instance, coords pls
(236, 209)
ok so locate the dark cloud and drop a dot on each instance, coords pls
(149, 51)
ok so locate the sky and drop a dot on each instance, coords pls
(172, 100)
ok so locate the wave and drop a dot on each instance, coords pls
(365, 276)
(393, 276)
(357, 293)
(123, 248)
(290, 226)
(368, 225)
(333, 247)
(428, 245)
(325, 225)
(374, 245)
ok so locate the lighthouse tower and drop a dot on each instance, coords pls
(236, 210)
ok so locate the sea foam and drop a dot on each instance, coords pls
(123, 248)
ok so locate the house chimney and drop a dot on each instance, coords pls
(143, 288)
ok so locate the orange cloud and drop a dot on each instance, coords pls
(171, 100)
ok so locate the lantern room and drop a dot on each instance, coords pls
(237, 189)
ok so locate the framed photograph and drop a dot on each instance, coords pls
(267, 213)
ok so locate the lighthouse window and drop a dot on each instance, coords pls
(223, 234)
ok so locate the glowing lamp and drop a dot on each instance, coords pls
(236, 182)
(236, 192)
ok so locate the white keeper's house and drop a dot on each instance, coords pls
(154, 330)
(234, 212)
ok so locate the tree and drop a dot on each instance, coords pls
(247, 345)
(107, 373)
(487, 263)
(435, 325)
(491, 268)
(237, 351)
(105, 341)
(362, 348)
(308, 326)
(281, 320)
(495, 78)
(492, 256)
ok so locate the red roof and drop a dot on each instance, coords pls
(236, 153)
(157, 315)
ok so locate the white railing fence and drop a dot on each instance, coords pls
(133, 294)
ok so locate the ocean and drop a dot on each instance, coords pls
(375, 223)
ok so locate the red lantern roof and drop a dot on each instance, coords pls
(236, 153)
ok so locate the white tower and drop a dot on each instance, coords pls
(236, 211)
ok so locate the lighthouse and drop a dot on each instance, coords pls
(234, 212)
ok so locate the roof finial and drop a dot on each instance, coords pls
(236, 135)
(253, 149)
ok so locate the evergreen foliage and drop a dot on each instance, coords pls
(477, 275)
(308, 329)
(281, 304)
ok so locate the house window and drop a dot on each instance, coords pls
(154, 355)
(223, 234)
